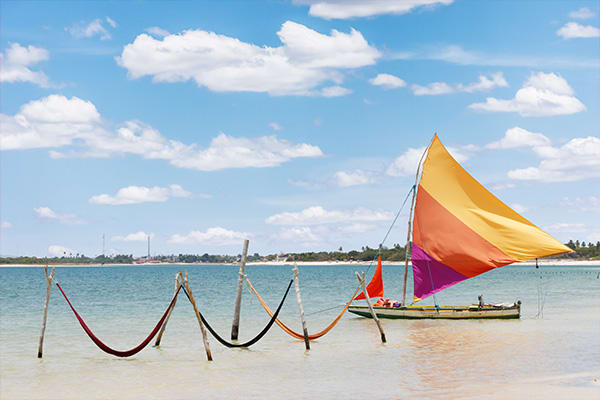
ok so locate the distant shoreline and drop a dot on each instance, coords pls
(562, 263)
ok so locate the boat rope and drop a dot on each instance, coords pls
(296, 334)
(109, 350)
(390, 228)
(257, 337)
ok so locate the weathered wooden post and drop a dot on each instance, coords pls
(48, 287)
(202, 329)
(238, 298)
(164, 325)
(304, 329)
(361, 279)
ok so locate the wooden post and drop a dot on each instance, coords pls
(304, 329)
(361, 279)
(48, 287)
(164, 325)
(189, 291)
(238, 298)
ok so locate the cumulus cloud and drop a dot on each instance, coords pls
(156, 31)
(214, 236)
(483, 84)
(582, 13)
(140, 236)
(140, 194)
(15, 64)
(357, 228)
(301, 234)
(60, 251)
(566, 227)
(503, 186)
(354, 178)
(275, 126)
(519, 207)
(341, 9)
(407, 163)
(316, 215)
(519, 137)
(5, 224)
(387, 81)
(573, 30)
(49, 214)
(578, 159)
(305, 61)
(57, 121)
(585, 204)
(541, 95)
(91, 29)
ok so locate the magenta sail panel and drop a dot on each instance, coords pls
(430, 276)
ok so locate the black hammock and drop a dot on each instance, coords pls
(257, 337)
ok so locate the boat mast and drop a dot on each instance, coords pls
(410, 215)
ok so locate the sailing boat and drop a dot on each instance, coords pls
(460, 230)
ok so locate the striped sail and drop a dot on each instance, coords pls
(461, 230)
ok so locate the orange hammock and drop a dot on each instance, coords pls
(296, 334)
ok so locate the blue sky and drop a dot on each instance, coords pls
(297, 124)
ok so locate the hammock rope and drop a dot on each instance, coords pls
(109, 350)
(289, 331)
(257, 337)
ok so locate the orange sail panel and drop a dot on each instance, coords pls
(461, 230)
(375, 287)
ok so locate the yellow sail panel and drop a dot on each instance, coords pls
(457, 191)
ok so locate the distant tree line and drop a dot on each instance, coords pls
(581, 250)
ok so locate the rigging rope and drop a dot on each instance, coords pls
(104, 347)
(296, 334)
(257, 337)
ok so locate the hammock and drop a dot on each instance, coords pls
(296, 334)
(257, 337)
(109, 350)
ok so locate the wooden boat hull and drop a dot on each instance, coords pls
(451, 312)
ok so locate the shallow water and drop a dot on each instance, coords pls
(552, 355)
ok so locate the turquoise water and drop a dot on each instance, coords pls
(554, 355)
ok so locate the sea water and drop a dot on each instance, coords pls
(553, 351)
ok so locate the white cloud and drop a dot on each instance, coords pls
(301, 234)
(573, 30)
(111, 22)
(306, 60)
(357, 228)
(576, 160)
(334, 91)
(582, 13)
(215, 236)
(15, 63)
(585, 204)
(275, 126)
(407, 163)
(60, 251)
(134, 237)
(155, 30)
(519, 207)
(566, 227)
(483, 84)
(48, 213)
(541, 95)
(94, 28)
(56, 121)
(318, 215)
(140, 194)
(457, 55)
(387, 81)
(5, 224)
(354, 178)
(519, 137)
(341, 9)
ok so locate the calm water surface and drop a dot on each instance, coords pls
(554, 355)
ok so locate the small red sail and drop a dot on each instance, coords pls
(375, 287)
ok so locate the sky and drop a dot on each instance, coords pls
(296, 124)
